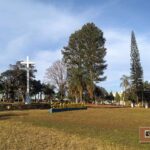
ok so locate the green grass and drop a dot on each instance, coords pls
(118, 126)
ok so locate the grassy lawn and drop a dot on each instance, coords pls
(103, 128)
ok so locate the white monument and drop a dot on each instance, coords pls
(132, 105)
(146, 105)
(27, 63)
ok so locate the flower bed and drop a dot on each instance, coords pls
(53, 110)
(67, 105)
(59, 107)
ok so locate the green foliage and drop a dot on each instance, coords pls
(131, 95)
(117, 97)
(100, 92)
(13, 82)
(136, 68)
(22, 106)
(146, 85)
(146, 91)
(48, 90)
(109, 96)
(125, 82)
(36, 87)
(84, 58)
(67, 105)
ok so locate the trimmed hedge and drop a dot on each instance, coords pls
(67, 105)
(57, 105)
(21, 106)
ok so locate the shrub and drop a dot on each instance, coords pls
(67, 105)
(22, 106)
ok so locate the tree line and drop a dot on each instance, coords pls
(78, 74)
(83, 64)
(13, 84)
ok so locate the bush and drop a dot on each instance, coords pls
(67, 105)
(22, 106)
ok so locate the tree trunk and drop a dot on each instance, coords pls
(80, 93)
(76, 99)
(41, 96)
(90, 91)
(35, 98)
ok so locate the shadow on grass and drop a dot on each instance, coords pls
(10, 115)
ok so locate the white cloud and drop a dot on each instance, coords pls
(29, 28)
(41, 31)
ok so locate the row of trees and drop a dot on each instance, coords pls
(82, 66)
(57, 74)
(77, 74)
(131, 94)
(13, 84)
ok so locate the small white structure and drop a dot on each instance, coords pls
(122, 103)
(132, 105)
(146, 105)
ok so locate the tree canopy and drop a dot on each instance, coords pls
(56, 74)
(13, 81)
(84, 59)
(136, 68)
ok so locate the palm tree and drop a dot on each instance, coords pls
(125, 83)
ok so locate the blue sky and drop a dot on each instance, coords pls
(40, 29)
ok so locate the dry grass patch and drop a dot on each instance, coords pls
(109, 128)
(19, 136)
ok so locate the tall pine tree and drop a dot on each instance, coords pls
(84, 58)
(136, 68)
